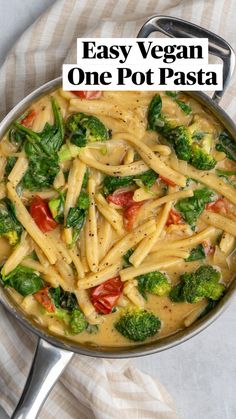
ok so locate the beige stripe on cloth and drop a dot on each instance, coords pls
(90, 388)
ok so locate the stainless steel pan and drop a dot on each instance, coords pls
(54, 353)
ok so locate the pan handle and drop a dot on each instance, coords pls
(48, 364)
(179, 28)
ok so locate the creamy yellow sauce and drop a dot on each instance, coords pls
(128, 112)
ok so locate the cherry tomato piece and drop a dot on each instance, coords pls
(28, 120)
(40, 212)
(221, 206)
(105, 296)
(167, 181)
(130, 215)
(43, 298)
(173, 218)
(85, 94)
(123, 199)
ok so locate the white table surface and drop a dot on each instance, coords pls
(201, 373)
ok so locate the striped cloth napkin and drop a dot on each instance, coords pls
(89, 388)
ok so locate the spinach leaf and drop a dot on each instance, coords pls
(185, 108)
(50, 139)
(198, 135)
(76, 216)
(227, 145)
(211, 304)
(69, 311)
(155, 117)
(148, 178)
(16, 137)
(142, 286)
(85, 179)
(41, 150)
(76, 219)
(11, 160)
(111, 183)
(10, 227)
(63, 299)
(126, 257)
(171, 93)
(41, 172)
(196, 254)
(226, 175)
(191, 208)
(23, 280)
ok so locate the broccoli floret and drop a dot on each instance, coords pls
(208, 279)
(181, 140)
(23, 280)
(68, 152)
(56, 207)
(78, 322)
(12, 237)
(178, 136)
(194, 286)
(82, 128)
(155, 283)
(196, 129)
(202, 147)
(207, 143)
(138, 324)
(181, 137)
(201, 159)
(190, 288)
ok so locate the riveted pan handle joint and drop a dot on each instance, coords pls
(179, 28)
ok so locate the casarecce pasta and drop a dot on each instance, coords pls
(117, 214)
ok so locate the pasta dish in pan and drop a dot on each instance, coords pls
(117, 214)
